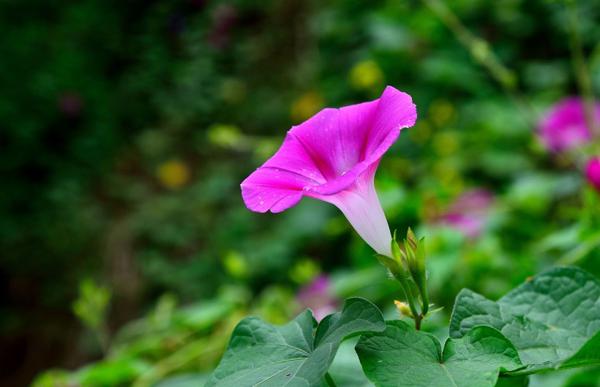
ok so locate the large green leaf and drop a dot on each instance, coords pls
(553, 320)
(183, 380)
(296, 354)
(403, 357)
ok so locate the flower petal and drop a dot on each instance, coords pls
(272, 189)
(329, 152)
(363, 210)
(564, 127)
(335, 138)
(395, 111)
(356, 138)
(592, 171)
(338, 140)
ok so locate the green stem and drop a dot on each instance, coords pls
(581, 251)
(424, 299)
(412, 302)
(418, 320)
(580, 67)
(329, 380)
(482, 54)
(103, 338)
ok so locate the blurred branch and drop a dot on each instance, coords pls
(204, 351)
(580, 67)
(582, 250)
(481, 52)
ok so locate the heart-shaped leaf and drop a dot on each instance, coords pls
(296, 354)
(553, 320)
(403, 357)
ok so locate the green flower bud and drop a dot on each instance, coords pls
(414, 256)
(396, 268)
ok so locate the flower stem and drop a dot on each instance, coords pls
(412, 300)
(424, 300)
(418, 320)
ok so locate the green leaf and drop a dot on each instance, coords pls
(553, 320)
(401, 356)
(112, 372)
(515, 381)
(183, 380)
(584, 378)
(296, 354)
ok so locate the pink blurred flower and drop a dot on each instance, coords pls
(564, 126)
(224, 18)
(468, 214)
(592, 172)
(333, 157)
(70, 103)
(317, 296)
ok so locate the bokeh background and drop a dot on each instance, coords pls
(127, 254)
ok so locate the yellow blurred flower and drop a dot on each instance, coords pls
(235, 264)
(448, 176)
(306, 106)
(421, 132)
(429, 210)
(228, 136)
(441, 112)
(304, 271)
(173, 174)
(233, 90)
(366, 75)
(445, 143)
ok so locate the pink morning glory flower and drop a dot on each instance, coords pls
(317, 296)
(592, 172)
(564, 126)
(468, 214)
(333, 157)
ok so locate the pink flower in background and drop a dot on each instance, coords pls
(70, 103)
(333, 157)
(592, 172)
(468, 214)
(317, 296)
(224, 18)
(564, 126)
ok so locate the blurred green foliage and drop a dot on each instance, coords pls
(91, 305)
(127, 127)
